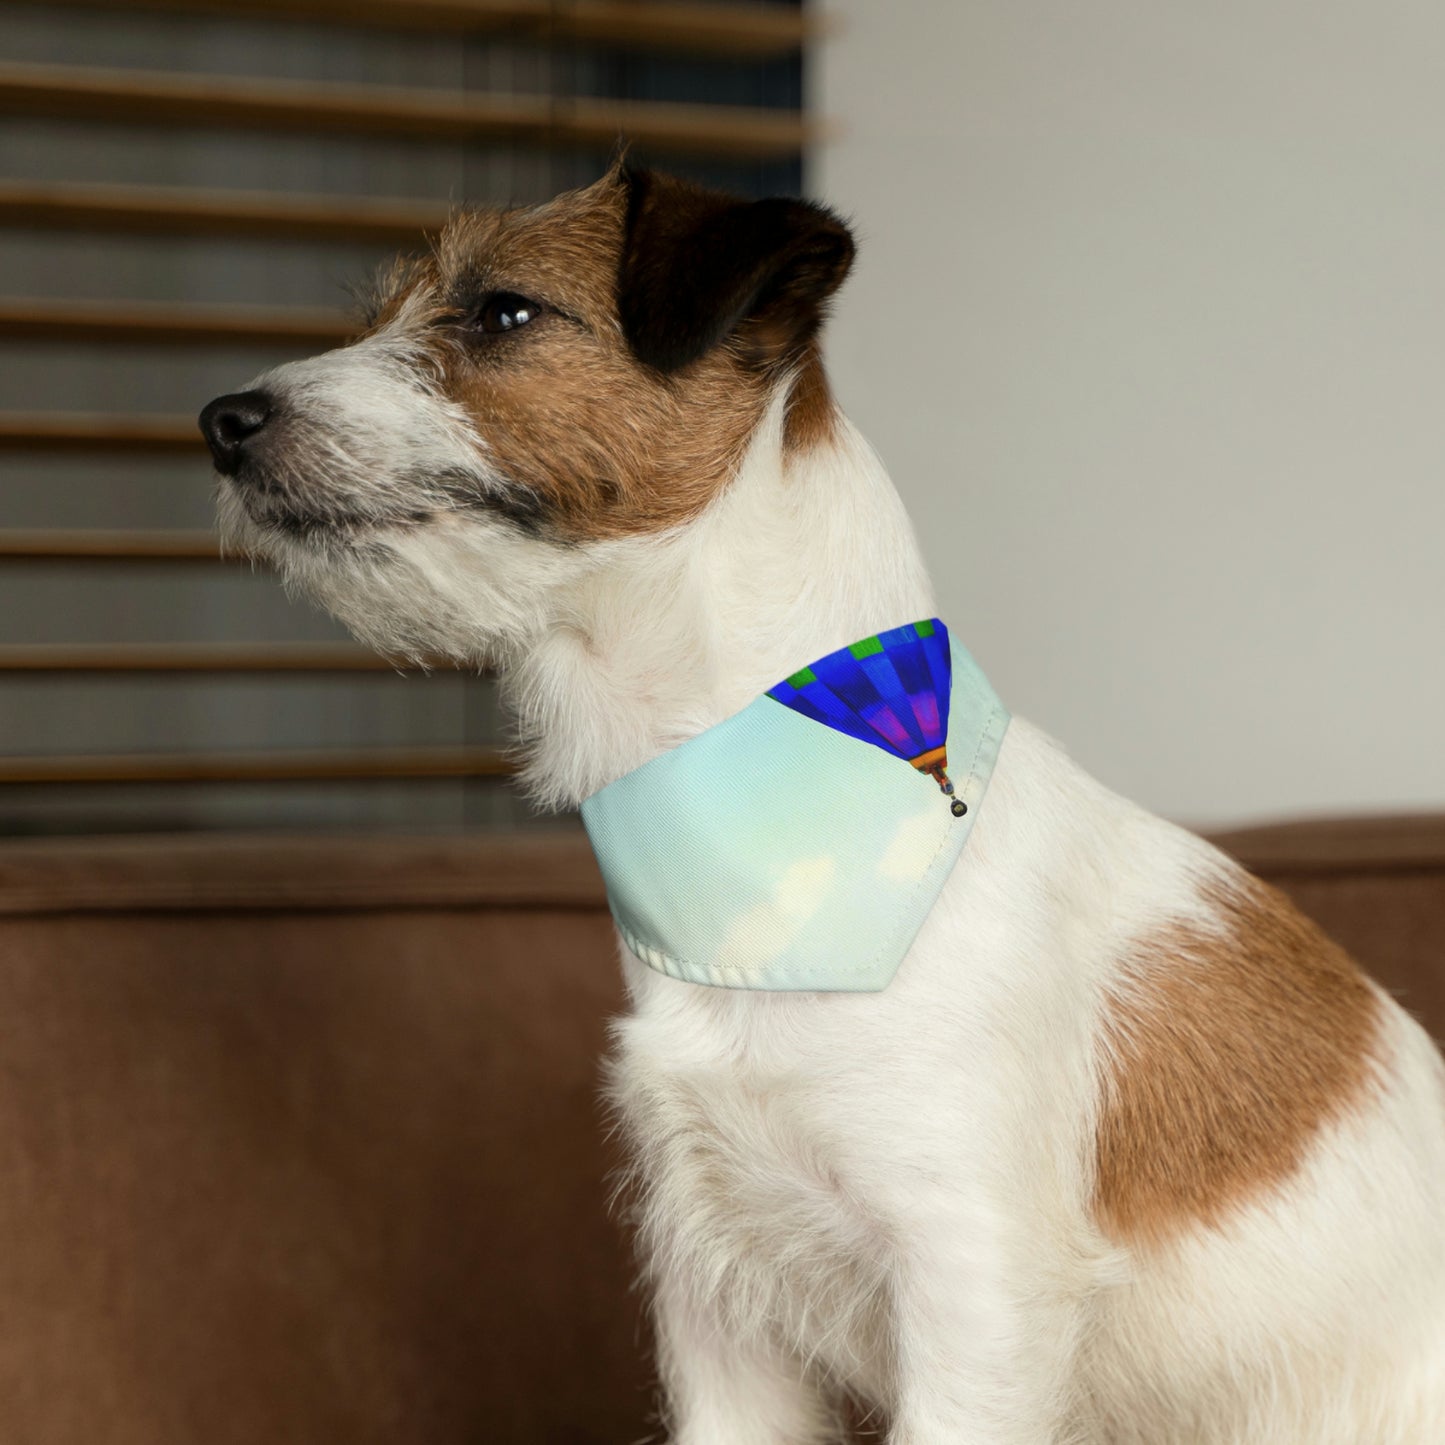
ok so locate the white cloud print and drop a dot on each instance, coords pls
(766, 930)
(914, 845)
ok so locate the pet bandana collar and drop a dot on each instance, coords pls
(800, 843)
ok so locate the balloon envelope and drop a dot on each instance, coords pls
(891, 690)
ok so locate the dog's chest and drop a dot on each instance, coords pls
(749, 1185)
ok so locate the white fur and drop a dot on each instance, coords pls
(888, 1194)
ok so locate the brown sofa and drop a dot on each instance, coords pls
(300, 1142)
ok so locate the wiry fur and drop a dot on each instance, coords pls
(896, 1196)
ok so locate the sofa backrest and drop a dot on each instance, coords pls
(301, 1143)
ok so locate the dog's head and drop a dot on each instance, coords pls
(546, 383)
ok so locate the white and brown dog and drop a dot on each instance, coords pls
(1127, 1152)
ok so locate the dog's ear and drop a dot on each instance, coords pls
(699, 266)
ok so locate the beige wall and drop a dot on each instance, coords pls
(1149, 324)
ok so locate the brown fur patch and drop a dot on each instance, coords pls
(595, 443)
(1229, 1050)
(812, 413)
(566, 411)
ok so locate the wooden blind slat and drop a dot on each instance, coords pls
(708, 29)
(160, 98)
(175, 211)
(108, 546)
(93, 431)
(169, 323)
(256, 767)
(182, 657)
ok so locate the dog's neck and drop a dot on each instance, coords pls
(666, 636)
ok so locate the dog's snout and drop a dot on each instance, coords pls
(229, 422)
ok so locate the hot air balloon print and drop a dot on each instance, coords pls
(891, 690)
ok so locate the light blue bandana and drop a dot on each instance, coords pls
(801, 843)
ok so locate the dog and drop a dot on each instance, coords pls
(1126, 1152)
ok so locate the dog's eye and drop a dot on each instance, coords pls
(505, 311)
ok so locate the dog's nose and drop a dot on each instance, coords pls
(229, 422)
